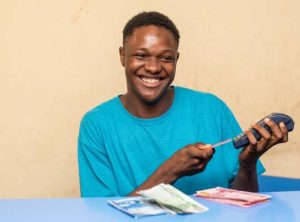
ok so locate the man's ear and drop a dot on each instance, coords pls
(178, 54)
(122, 55)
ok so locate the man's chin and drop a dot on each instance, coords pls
(153, 99)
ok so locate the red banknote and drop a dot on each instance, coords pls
(231, 196)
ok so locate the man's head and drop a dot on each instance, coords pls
(150, 18)
(149, 56)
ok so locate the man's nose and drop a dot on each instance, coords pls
(153, 65)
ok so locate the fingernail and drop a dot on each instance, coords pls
(267, 120)
(281, 124)
(204, 147)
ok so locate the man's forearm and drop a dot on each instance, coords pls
(189, 160)
(246, 179)
(161, 175)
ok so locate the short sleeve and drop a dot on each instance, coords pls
(230, 129)
(96, 176)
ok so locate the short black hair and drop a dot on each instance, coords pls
(150, 18)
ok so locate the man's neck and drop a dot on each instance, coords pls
(141, 109)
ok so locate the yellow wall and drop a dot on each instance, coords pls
(58, 59)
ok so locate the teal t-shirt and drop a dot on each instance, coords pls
(118, 151)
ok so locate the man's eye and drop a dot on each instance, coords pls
(167, 58)
(140, 56)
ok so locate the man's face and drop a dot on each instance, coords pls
(149, 57)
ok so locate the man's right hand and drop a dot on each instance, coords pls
(189, 160)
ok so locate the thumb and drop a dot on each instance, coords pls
(202, 146)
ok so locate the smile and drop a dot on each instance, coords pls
(149, 80)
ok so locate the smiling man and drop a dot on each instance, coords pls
(159, 133)
(149, 56)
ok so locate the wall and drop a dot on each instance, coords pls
(58, 59)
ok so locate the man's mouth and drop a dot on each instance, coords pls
(150, 80)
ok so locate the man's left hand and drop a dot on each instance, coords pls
(250, 154)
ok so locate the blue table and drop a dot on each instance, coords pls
(284, 206)
(275, 183)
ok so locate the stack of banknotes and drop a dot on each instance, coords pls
(233, 197)
(166, 199)
(160, 199)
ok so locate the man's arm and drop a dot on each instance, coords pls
(95, 174)
(246, 178)
(187, 161)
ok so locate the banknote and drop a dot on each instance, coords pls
(234, 197)
(173, 199)
(138, 206)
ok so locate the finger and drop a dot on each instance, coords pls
(196, 161)
(262, 144)
(208, 154)
(274, 127)
(202, 146)
(202, 153)
(203, 164)
(262, 131)
(206, 147)
(285, 132)
(200, 162)
(251, 137)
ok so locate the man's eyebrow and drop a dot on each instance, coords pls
(163, 51)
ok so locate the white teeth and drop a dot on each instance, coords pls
(150, 80)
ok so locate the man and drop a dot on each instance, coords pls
(158, 133)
